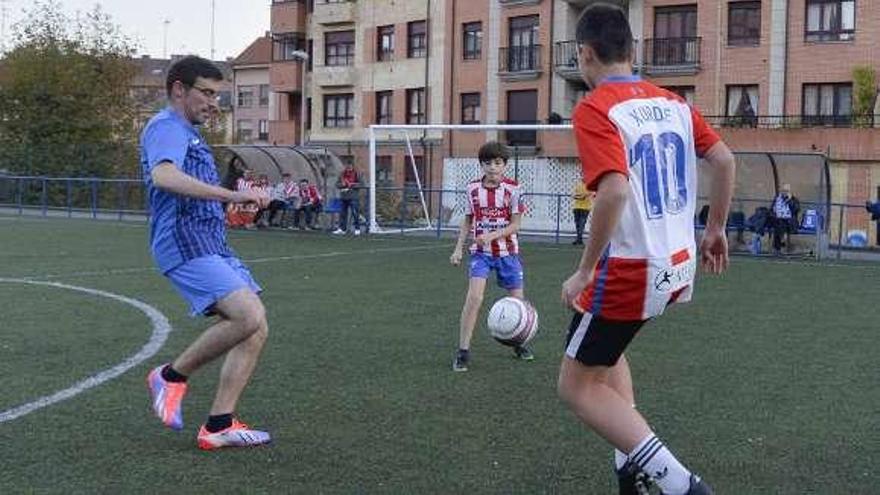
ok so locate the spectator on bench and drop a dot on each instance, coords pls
(280, 195)
(310, 204)
(784, 218)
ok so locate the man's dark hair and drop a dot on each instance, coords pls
(606, 30)
(493, 150)
(187, 69)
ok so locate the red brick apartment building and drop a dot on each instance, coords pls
(772, 75)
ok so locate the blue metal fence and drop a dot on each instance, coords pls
(548, 215)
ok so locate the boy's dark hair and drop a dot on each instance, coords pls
(493, 150)
(187, 69)
(605, 28)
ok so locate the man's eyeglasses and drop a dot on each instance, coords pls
(207, 92)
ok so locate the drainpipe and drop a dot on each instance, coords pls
(550, 60)
(452, 76)
(428, 32)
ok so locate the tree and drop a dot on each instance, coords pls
(65, 102)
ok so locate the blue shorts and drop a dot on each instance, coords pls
(206, 280)
(508, 269)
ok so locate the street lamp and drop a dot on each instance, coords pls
(303, 57)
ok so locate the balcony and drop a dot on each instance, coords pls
(283, 132)
(286, 76)
(565, 60)
(624, 4)
(288, 17)
(672, 56)
(513, 3)
(519, 63)
(794, 121)
(328, 12)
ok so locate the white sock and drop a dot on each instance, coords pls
(619, 459)
(659, 463)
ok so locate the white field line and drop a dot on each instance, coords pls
(161, 329)
(332, 254)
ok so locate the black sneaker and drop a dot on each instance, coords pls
(523, 353)
(632, 480)
(460, 363)
(699, 487)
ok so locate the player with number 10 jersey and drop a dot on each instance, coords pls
(651, 257)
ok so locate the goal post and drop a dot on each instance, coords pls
(403, 134)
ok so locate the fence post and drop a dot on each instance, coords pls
(439, 213)
(67, 187)
(18, 195)
(121, 202)
(94, 184)
(43, 198)
(403, 209)
(558, 215)
(840, 232)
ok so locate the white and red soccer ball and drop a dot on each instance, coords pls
(512, 321)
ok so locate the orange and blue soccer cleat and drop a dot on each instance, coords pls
(237, 435)
(167, 398)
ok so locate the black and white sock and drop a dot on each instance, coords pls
(659, 463)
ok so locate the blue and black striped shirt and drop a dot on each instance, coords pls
(181, 228)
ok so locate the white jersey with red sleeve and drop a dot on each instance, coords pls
(653, 137)
(491, 209)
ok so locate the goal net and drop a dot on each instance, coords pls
(418, 174)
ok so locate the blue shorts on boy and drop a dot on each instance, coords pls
(508, 269)
(206, 280)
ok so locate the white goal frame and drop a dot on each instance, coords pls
(373, 129)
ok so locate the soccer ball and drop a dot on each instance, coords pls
(512, 321)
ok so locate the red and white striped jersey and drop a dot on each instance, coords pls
(491, 209)
(243, 184)
(653, 137)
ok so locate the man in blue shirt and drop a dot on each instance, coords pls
(188, 242)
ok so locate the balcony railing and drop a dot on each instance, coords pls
(565, 56)
(794, 121)
(526, 58)
(672, 55)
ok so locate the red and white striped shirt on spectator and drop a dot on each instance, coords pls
(310, 194)
(243, 184)
(492, 208)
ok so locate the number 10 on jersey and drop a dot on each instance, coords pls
(663, 166)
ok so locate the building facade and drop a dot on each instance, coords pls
(771, 75)
(251, 93)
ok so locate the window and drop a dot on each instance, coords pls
(686, 92)
(310, 49)
(744, 23)
(523, 44)
(385, 43)
(473, 40)
(309, 113)
(339, 48)
(264, 130)
(245, 134)
(675, 36)
(742, 106)
(264, 95)
(416, 110)
(831, 20)
(470, 108)
(339, 110)
(285, 44)
(384, 171)
(417, 39)
(383, 107)
(827, 104)
(245, 96)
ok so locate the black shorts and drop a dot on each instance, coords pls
(594, 341)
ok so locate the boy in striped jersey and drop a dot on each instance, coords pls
(638, 145)
(493, 216)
